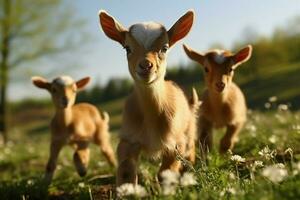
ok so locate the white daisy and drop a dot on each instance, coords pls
(129, 189)
(275, 173)
(188, 179)
(237, 159)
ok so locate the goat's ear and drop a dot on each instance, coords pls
(112, 28)
(82, 83)
(40, 82)
(198, 57)
(181, 28)
(242, 55)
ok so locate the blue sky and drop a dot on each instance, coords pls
(217, 21)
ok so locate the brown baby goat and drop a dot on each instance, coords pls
(76, 125)
(223, 101)
(157, 118)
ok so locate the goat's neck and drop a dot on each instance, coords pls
(64, 116)
(152, 98)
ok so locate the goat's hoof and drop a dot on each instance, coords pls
(82, 173)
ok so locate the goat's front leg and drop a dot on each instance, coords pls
(127, 158)
(227, 142)
(81, 158)
(205, 136)
(55, 148)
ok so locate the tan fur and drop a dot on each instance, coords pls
(157, 117)
(77, 125)
(221, 107)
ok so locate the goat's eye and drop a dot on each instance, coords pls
(206, 69)
(164, 49)
(128, 50)
(54, 90)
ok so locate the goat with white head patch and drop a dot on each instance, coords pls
(157, 117)
(77, 125)
(223, 102)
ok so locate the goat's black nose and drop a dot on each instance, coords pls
(145, 65)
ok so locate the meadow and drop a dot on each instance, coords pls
(265, 163)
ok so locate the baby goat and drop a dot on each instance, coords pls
(77, 124)
(157, 118)
(223, 101)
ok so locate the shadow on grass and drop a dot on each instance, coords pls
(28, 188)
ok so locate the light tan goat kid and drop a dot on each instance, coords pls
(77, 124)
(223, 101)
(157, 118)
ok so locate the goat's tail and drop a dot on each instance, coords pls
(105, 116)
(194, 102)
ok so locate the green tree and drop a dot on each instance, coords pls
(31, 29)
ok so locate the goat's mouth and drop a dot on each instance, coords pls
(145, 76)
(219, 89)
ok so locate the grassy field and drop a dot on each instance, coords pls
(268, 166)
(277, 132)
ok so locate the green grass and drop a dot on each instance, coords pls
(23, 160)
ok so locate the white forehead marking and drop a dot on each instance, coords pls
(64, 80)
(145, 33)
(219, 57)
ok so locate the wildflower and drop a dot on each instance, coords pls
(255, 165)
(188, 179)
(229, 152)
(101, 163)
(231, 176)
(289, 150)
(169, 177)
(296, 168)
(58, 167)
(231, 190)
(252, 129)
(273, 99)
(273, 139)
(279, 165)
(267, 105)
(258, 163)
(283, 107)
(237, 159)
(275, 173)
(169, 190)
(129, 189)
(267, 153)
(170, 181)
(81, 184)
(30, 182)
(228, 190)
(222, 193)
